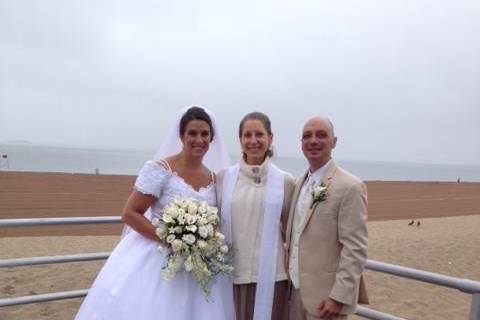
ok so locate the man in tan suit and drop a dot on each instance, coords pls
(326, 235)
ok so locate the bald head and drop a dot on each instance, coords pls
(323, 121)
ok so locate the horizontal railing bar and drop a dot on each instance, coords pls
(464, 285)
(361, 311)
(8, 263)
(374, 314)
(57, 221)
(42, 298)
(5, 302)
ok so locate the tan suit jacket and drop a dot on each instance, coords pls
(333, 242)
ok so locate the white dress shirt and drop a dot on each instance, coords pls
(303, 204)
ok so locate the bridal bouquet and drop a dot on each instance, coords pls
(190, 229)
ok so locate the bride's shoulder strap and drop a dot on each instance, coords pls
(164, 163)
(213, 177)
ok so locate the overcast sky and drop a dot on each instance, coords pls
(399, 79)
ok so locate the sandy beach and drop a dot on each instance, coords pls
(447, 241)
(27, 195)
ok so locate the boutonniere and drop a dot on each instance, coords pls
(319, 193)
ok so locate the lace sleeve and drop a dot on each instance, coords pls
(151, 179)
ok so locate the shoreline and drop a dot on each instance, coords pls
(133, 176)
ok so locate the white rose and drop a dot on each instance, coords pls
(212, 218)
(191, 228)
(191, 219)
(210, 229)
(202, 244)
(203, 231)
(178, 230)
(171, 211)
(171, 238)
(161, 231)
(189, 238)
(202, 221)
(177, 245)
(167, 218)
(202, 210)
(183, 204)
(181, 219)
(220, 236)
(319, 190)
(175, 213)
(192, 208)
(224, 249)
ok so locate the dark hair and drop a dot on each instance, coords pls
(196, 113)
(264, 119)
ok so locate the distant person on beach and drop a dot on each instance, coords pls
(4, 162)
(255, 198)
(326, 236)
(131, 284)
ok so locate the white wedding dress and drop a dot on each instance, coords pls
(131, 285)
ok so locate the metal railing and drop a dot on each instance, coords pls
(464, 285)
(58, 221)
(45, 297)
(19, 262)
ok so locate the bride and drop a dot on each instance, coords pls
(131, 285)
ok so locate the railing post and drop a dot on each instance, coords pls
(475, 307)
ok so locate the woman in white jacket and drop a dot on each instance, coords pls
(255, 196)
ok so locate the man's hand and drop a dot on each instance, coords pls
(329, 308)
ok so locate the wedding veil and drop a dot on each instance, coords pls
(215, 159)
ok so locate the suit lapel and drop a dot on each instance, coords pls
(291, 213)
(327, 179)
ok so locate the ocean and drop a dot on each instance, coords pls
(128, 162)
